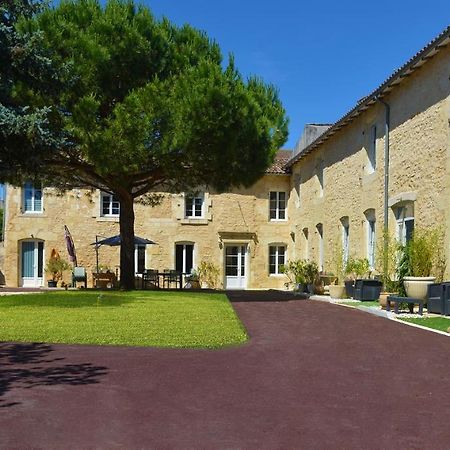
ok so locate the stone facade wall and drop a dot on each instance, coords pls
(241, 216)
(419, 171)
(419, 166)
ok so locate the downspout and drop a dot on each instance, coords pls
(387, 120)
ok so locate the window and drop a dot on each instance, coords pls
(345, 239)
(319, 169)
(193, 206)
(297, 187)
(404, 215)
(277, 205)
(184, 257)
(139, 258)
(110, 205)
(370, 236)
(372, 150)
(305, 244)
(277, 259)
(319, 228)
(32, 199)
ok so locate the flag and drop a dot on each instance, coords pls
(70, 246)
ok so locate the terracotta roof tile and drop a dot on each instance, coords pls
(281, 159)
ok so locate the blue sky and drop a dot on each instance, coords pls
(323, 56)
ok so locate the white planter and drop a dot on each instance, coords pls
(337, 291)
(417, 287)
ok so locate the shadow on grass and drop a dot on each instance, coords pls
(26, 366)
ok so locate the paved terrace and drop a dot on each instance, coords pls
(313, 376)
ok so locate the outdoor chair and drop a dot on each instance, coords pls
(150, 276)
(367, 289)
(172, 277)
(79, 274)
(439, 298)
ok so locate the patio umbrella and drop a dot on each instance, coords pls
(115, 241)
(70, 246)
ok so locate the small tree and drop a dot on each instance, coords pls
(146, 106)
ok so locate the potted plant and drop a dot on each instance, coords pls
(422, 261)
(311, 273)
(387, 264)
(337, 287)
(208, 275)
(355, 268)
(193, 280)
(55, 267)
(295, 271)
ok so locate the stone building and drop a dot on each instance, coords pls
(336, 187)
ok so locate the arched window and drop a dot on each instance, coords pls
(345, 224)
(319, 228)
(305, 243)
(370, 236)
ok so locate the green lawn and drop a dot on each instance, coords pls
(141, 318)
(356, 304)
(437, 323)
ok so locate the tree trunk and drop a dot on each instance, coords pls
(127, 242)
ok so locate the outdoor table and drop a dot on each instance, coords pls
(166, 277)
(104, 280)
(410, 300)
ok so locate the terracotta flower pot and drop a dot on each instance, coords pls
(383, 298)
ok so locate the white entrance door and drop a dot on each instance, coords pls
(32, 263)
(235, 266)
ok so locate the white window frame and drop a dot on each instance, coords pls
(277, 208)
(403, 214)
(277, 254)
(371, 236)
(112, 199)
(345, 240)
(372, 151)
(195, 198)
(29, 186)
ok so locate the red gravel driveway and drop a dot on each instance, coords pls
(313, 376)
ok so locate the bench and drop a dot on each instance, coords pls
(410, 300)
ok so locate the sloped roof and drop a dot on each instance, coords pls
(279, 165)
(419, 59)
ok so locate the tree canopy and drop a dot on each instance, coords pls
(142, 105)
(24, 65)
